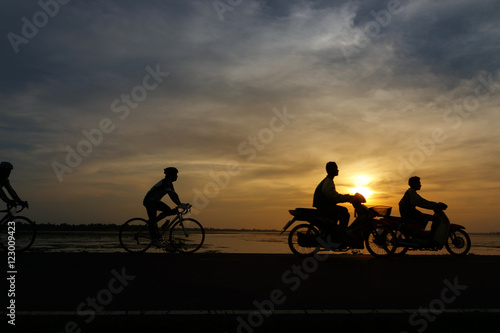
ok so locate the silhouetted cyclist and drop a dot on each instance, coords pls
(326, 198)
(5, 170)
(152, 202)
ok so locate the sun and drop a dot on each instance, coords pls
(361, 183)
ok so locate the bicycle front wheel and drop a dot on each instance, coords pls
(134, 235)
(22, 234)
(187, 235)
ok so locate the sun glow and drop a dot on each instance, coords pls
(361, 183)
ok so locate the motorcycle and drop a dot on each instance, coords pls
(320, 233)
(412, 237)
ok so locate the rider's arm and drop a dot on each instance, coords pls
(3, 196)
(174, 197)
(11, 191)
(418, 201)
(331, 193)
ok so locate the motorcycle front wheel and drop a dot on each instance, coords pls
(400, 250)
(303, 240)
(458, 243)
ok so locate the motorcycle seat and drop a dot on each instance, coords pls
(417, 230)
(393, 219)
(305, 213)
(306, 210)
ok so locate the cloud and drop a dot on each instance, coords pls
(226, 78)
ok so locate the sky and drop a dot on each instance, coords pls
(249, 100)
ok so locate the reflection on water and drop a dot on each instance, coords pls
(216, 242)
(246, 242)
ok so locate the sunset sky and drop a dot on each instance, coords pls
(249, 100)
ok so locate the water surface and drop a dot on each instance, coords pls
(217, 242)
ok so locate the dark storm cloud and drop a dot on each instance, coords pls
(455, 39)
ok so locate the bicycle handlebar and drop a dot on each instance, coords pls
(185, 210)
(9, 206)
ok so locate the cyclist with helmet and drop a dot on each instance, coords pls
(152, 202)
(5, 170)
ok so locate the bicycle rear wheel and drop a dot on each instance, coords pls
(23, 232)
(134, 235)
(187, 236)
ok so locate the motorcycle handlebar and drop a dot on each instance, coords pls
(441, 206)
(358, 198)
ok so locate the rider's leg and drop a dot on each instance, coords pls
(165, 210)
(151, 209)
(330, 226)
(435, 223)
(342, 215)
(336, 213)
(423, 219)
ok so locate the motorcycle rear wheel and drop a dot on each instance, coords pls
(297, 247)
(380, 242)
(458, 243)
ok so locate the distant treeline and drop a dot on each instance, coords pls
(114, 227)
(77, 227)
(246, 230)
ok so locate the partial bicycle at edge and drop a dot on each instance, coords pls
(22, 230)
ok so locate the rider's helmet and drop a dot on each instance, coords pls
(170, 171)
(6, 166)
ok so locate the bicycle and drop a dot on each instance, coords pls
(186, 235)
(17, 232)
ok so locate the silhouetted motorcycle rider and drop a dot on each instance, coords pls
(411, 200)
(326, 199)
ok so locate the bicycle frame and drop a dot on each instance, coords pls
(9, 214)
(6, 217)
(168, 224)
